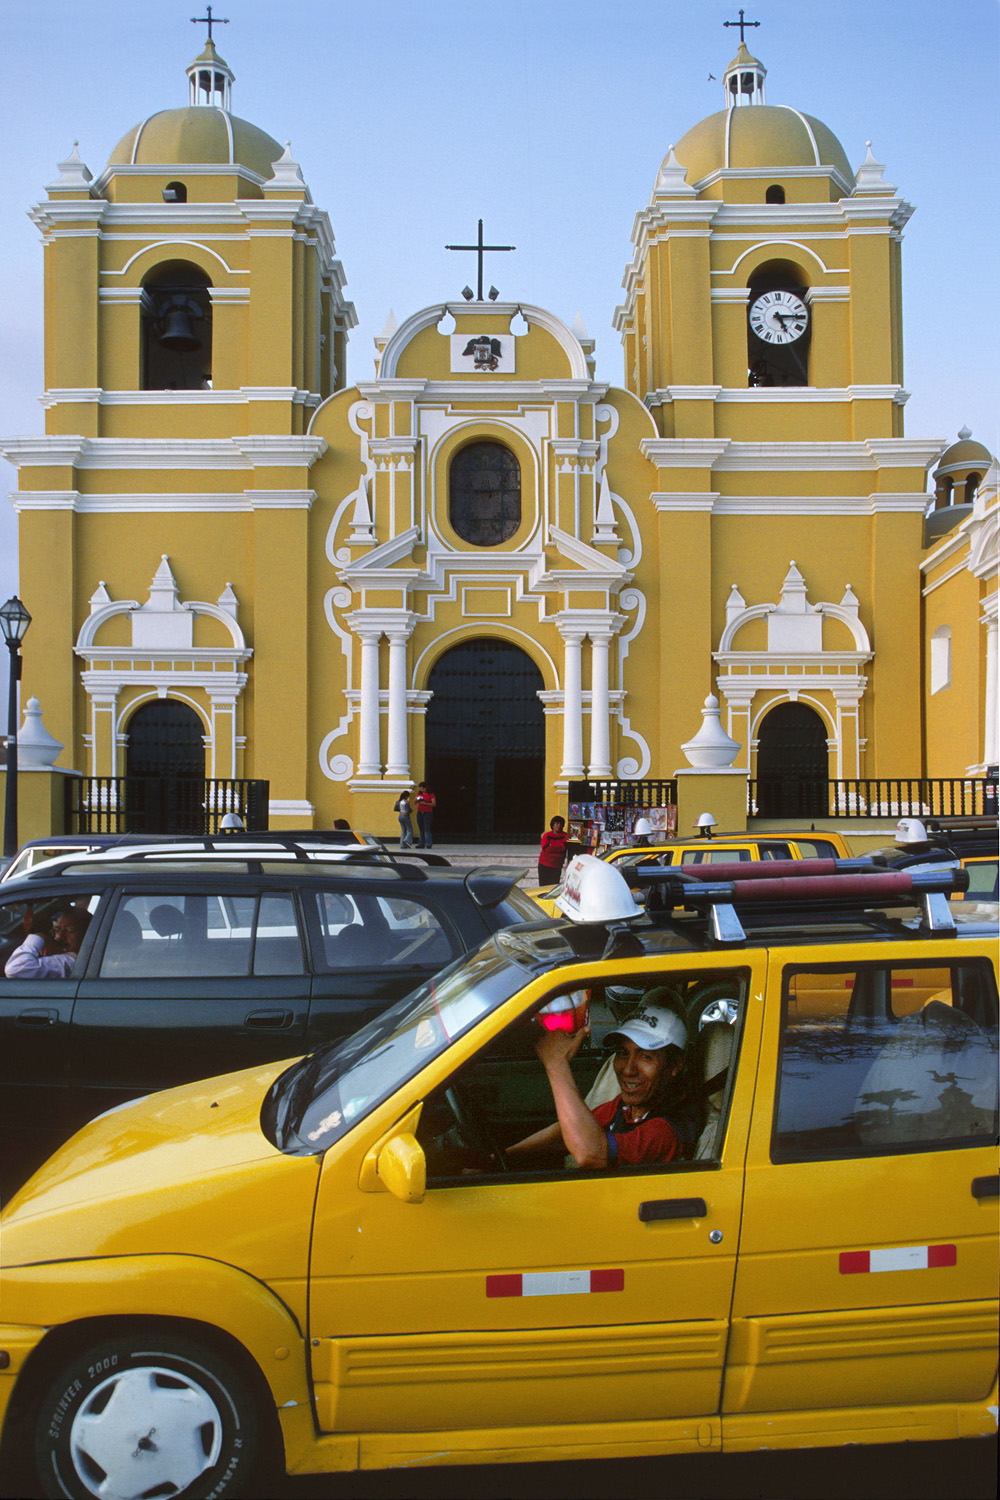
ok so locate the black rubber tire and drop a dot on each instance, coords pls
(152, 1399)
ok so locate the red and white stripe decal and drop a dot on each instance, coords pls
(554, 1283)
(904, 1258)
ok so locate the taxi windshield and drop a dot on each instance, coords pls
(322, 1097)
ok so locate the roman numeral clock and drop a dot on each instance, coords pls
(778, 338)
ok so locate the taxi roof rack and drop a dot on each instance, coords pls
(793, 889)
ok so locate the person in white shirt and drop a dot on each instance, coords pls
(39, 957)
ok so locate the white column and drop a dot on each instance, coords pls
(600, 731)
(369, 762)
(572, 706)
(991, 745)
(397, 750)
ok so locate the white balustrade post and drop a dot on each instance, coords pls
(369, 761)
(397, 749)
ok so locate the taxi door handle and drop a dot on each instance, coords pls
(673, 1208)
(40, 1017)
(269, 1020)
(986, 1187)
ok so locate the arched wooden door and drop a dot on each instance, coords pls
(792, 763)
(485, 744)
(165, 769)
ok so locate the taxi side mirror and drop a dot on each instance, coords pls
(402, 1166)
(396, 1164)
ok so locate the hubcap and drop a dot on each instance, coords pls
(150, 1430)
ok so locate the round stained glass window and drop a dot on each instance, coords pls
(484, 494)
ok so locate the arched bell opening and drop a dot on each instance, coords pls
(775, 193)
(176, 329)
(779, 324)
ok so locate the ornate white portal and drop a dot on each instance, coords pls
(794, 651)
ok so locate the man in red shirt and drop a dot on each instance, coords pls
(633, 1128)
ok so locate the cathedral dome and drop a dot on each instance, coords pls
(197, 135)
(964, 456)
(765, 138)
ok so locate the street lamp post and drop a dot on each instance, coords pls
(14, 621)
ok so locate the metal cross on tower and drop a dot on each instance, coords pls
(741, 24)
(480, 248)
(224, 21)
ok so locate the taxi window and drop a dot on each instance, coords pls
(816, 849)
(774, 850)
(982, 880)
(362, 929)
(501, 1099)
(883, 1058)
(714, 856)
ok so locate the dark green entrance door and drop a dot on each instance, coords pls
(485, 745)
(792, 763)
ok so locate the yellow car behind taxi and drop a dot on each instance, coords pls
(339, 1264)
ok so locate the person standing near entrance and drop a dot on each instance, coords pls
(403, 809)
(553, 852)
(426, 803)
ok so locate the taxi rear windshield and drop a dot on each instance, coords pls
(322, 1097)
(880, 1058)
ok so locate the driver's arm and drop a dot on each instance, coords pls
(583, 1137)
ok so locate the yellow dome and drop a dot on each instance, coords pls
(199, 134)
(759, 137)
(965, 456)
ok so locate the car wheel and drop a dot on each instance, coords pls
(146, 1415)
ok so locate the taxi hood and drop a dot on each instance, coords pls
(186, 1171)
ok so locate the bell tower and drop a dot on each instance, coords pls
(762, 329)
(763, 261)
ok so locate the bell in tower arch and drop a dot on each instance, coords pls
(175, 325)
(176, 328)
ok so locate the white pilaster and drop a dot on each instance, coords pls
(572, 705)
(397, 749)
(369, 759)
(991, 746)
(600, 733)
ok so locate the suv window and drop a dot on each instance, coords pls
(879, 1057)
(715, 856)
(364, 929)
(154, 935)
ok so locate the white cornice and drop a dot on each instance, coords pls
(67, 395)
(683, 453)
(478, 392)
(265, 451)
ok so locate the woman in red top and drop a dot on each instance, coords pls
(633, 1128)
(553, 852)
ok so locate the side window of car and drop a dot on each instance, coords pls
(502, 1098)
(362, 930)
(277, 945)
(882, 1058)
(179, 935)
(18, 918)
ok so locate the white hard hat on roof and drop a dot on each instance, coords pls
(705, 821)
(594, 891)
(911, 831)
(641, 825)
(233, 823)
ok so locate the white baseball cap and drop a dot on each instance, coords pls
(652, 1029)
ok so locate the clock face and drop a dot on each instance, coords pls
(779, 317)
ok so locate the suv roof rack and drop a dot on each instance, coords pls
(798, 888)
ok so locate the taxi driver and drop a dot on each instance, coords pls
(634, 1127)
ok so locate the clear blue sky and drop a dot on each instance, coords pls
(548, 119)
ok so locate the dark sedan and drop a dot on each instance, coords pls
(185, 973)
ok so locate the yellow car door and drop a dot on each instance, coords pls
(541, 1306)
(867, 1278)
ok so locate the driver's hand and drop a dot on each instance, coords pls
(554, 1047)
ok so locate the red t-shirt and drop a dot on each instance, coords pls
(653, 1140)
(553, 850)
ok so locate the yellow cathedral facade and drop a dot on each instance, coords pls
(483, 567)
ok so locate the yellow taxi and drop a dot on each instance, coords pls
(395, 1251)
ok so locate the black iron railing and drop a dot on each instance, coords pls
(873, 797)
(162, 804)
(654, 793)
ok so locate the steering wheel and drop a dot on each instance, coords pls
(474, 1126)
